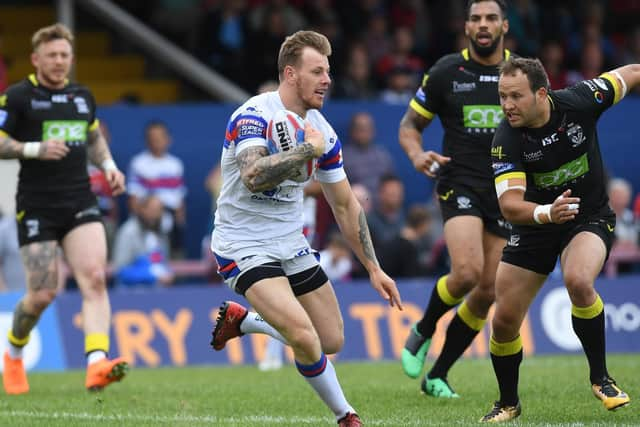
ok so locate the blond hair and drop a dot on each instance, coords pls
(50, 33)
(291, 49)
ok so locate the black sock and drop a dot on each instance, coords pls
(507, 369)
(459, 337)
(436, 308)
(591, 335)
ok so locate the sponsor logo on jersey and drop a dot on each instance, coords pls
(490, 79)
(533, 157)
(463, 87)
(250, 127)
(81, 105)
(59, 98)
(601, 84)
(501, 167)
(37, 104)
(548, 140)
(598, 96)
(74, 132)
(565, 173)
(420, 95)
(575, 134)
(497, 152)
(590, 85)
(3, 117)
(482, 116)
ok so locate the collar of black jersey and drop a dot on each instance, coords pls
(465, 54)
(34, 80)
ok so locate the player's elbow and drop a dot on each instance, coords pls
(509, 212)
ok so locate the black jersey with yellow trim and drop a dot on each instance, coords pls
(30, 111)
(464, 94)
(564, 153)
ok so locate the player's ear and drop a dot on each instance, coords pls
(34, 59)
(505, 26)
(289, 73)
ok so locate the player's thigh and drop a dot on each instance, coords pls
(516, 287)
(85, 249)
(582, 260)
(41, 265)
(274, 300)
(463, 235)
(322, 307)
(493, 246)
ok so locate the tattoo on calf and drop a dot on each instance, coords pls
(23, 322)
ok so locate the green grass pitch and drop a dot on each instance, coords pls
(554, 392)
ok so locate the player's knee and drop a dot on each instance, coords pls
(578, 285)
(95, 282)
(505, 324)
(333, 343)
(466, 276)
(303, 338)
(40, 299)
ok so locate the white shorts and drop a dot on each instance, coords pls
(293, 254)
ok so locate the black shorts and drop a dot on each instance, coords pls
(458, 199)
(301, 283)
(41, 223)
(537, 247)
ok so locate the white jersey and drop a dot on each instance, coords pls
(278, 212)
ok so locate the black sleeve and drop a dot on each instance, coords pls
(590, 96)
(10, 110)
(506, 153)
(428, 99)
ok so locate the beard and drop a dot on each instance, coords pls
(485, 51)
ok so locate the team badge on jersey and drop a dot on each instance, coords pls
(575, 134)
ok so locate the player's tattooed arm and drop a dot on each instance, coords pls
(97, 147)
(261, 171)
(9, 147)
(365, 238)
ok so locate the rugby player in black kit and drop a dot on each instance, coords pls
(50, 125)
(551, 186)
(461, 88)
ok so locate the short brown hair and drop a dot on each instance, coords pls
(530, 67)
(50, 33)
(291, 49)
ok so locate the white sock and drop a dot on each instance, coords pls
(255, 324)
(95, 356)
(322, 377)
(15, 352)
(274, 349)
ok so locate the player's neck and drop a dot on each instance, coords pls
(494, 59)
(291, 102)
(545, 115)
(48, 84)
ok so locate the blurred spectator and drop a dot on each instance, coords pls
(4, 78)
(222, 42)
(631, 52)
(335, 260)
(141, 247)
(524, 26)
(400, 88)
(620, 193)
(387, 218)
(400, 57)
(178, 20)
(591, 65)
(266, 39)
(364, 197)
(356, 83)
(365, 162)
(376, 37)
(407, 255)
(12, 276)
(156, 172)
(357, 16)
(292, 19)
(552, 56)
(100, 187)
(590, 31)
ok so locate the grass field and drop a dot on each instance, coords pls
(554, 392)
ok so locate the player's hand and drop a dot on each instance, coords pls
(564, 208)
(115, 178)
(53, 149)
(314, 137)
(386, 287)
(428, 162)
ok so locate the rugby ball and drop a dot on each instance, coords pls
(285, 131)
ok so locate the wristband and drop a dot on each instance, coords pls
(109, 165)
(542, 214)
(31, 150)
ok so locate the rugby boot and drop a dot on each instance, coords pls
(350, 420)
(414, 353)
(14, 377)
(103, 372)
(610, 394)
(437, 387)
(501, 413)
(230, 316)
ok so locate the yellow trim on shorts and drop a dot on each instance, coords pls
(617, 90)
(96, 341)
(471, 320)
(444, 294)
(421, 110)
(511, 175)
(588, 312)
(505, 348)
(18, 342)
(94, 125)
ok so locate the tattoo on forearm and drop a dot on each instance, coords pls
(365, 238)
(40, 263)
(97, 148)
(261, 171)
(10, 148)
(23, 322)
